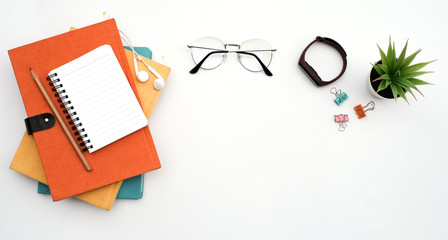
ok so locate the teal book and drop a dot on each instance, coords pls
(131, 188)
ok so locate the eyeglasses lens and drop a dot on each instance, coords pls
(198, 54)
(249, 62)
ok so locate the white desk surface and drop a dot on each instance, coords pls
(246, 156)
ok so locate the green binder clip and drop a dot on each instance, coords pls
(340, 96)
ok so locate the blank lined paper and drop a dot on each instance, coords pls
(99, 98)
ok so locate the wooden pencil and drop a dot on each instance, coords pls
(61, 121)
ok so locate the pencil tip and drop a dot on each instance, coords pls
(31, 69)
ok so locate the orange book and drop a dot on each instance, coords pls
(127, 157)
(27, 162)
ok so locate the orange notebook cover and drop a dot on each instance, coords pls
(26, 160)
(130, 156)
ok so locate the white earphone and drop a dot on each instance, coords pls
(143, 76)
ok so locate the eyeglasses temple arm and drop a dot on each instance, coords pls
(196, 68)
(265, 69)
(214, 49)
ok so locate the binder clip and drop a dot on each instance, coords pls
(361, 110)
(342, 119)
(340, 96)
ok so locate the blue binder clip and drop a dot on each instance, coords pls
(340, 96)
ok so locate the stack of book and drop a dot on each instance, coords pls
(88, 75)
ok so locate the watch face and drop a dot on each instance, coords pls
(309, 75)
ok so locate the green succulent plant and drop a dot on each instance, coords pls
(397, 73)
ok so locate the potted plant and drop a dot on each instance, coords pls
(393, 77)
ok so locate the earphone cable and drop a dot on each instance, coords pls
(125, 38)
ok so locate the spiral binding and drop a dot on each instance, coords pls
(69, 111)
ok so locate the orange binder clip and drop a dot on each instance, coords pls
(361, 110)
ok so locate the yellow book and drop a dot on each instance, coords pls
(26, 160)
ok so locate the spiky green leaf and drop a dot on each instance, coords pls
(413, 74)
(382, 86)
(409, 83)
(403, 81)
(391, 55)
(416, 81)
(393, 87)
(389, 50)
(402, 55)
(384, 76)
(409, 59)
(378, 69)
(416, 89)
(412, 85)
(385, 68)
(402, 93)
(383, 56)
(408, 89)
(393, 58)
(416, 67)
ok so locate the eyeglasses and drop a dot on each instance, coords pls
(254, 55)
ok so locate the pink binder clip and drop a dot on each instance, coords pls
(342, 119)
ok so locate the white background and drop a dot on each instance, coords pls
(244, 155)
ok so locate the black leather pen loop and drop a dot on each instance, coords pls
(39, 122)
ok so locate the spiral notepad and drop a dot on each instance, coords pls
(97, 97)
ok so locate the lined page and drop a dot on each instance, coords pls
(101, 96)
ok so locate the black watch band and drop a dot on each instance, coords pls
(311, 73)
